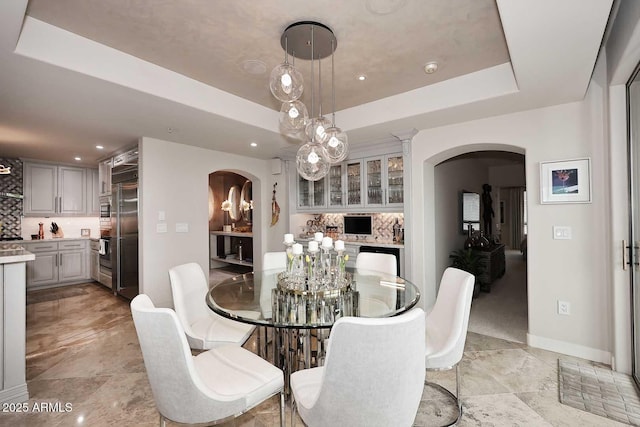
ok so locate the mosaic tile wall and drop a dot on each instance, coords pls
(10, 208)
(382, 223)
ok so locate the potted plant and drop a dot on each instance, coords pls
(470, 261)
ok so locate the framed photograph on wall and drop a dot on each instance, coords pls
(565, 181)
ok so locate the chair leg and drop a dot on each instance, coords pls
(293, 411)
(163, 422)
(282, 423)
(456, 398)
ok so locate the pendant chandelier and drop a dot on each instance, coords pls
(324, 142)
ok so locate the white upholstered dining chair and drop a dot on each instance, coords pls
(214, 386)
(375, 301)
(373, 374)
(204, 328)
(446, 328)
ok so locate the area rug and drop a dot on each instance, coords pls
(599, 391)
(54, 294)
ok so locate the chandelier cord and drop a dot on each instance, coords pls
(319, 88)
(333, 88)
(312, 81)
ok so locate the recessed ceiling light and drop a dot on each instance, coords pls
(99, 147)
(362, 77)
(254, 144)
(253, 66)
(77, 158)
(431, 67)
(384, 7)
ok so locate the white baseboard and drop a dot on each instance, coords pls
(570, 349)
(15, 394)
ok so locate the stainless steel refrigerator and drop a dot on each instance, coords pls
(124, 224)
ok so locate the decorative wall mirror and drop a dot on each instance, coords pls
(246, 202)
(234, 198)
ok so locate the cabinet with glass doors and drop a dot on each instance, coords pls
(311, 194)
(384, 181)
(336, 186)
(354, 183)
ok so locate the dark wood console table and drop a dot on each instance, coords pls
(493, 261)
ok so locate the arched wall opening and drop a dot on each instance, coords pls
(242, 246)
(426, 250)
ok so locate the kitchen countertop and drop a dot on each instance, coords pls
(14, 252)
(361, 242)
(57, 239)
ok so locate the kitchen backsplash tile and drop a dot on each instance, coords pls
(71, 226)
(382, 223)
(11, 208)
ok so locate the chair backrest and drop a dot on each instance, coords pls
(385, 263)
(374, 371)
(178, 391)
(272, 260)
(189, 287)
(450, 316)
(376, 301)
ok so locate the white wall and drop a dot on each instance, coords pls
(174, 178)
(570, 270)
(506, 176)
(450, 179)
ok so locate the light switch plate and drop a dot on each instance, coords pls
(562, 232)
(161, 216)
(161, 227)
(182, 227)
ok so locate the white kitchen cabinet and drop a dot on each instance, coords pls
(56, 263)
(384, 181)
(72, 258)
(372, 184)
(94, 260)
(93, 193)
(54, 190)
(311, 194)
(104, 172)
(335, 183)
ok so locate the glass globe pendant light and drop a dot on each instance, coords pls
(325, 143)
(286, 82)
(336, 145)
(311, 161)
(293, 116)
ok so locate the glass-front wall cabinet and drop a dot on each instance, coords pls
(385, 183)
(354, 183)
(336, 187)
(375, 182)
(374, 179)
(311, 194)
(395, 181)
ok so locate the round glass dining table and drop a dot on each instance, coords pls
(301, 319)
(257, 299)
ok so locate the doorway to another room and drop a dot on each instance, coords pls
(230, 225)
(500, 306)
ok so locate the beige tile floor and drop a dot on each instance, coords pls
(82, 350)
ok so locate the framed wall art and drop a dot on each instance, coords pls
(565, 181)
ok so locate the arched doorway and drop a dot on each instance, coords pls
(500, 310)
(231, 223)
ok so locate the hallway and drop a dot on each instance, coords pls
(502, 313)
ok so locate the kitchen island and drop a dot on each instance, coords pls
(13, 384)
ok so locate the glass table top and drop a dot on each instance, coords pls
(255, 298)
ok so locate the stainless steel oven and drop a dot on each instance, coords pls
(105, 213)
